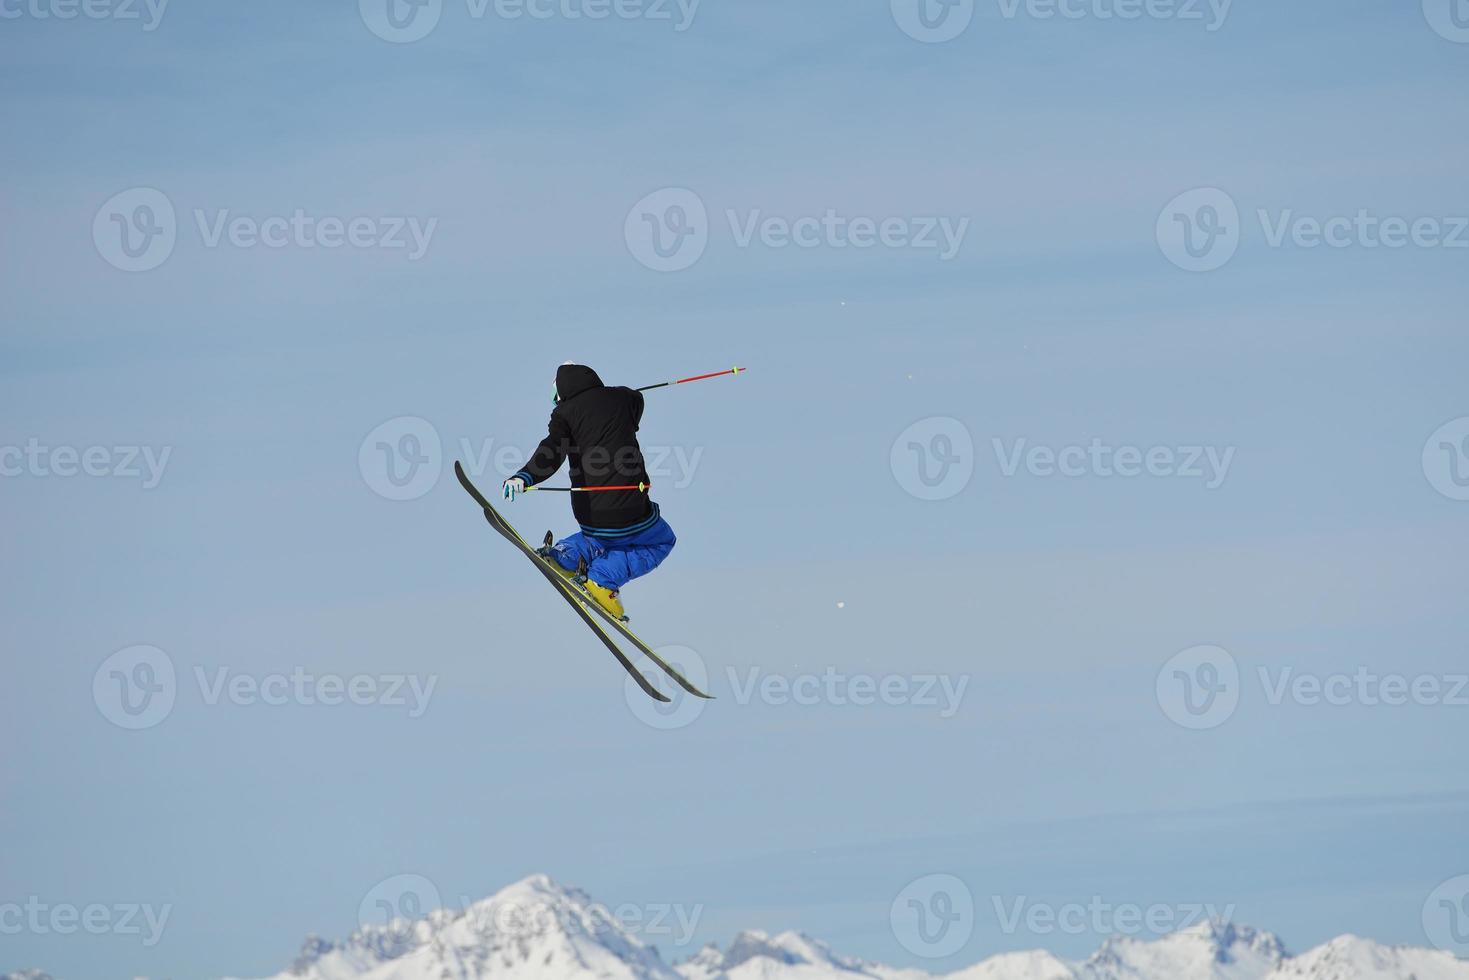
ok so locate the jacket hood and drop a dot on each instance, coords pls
(573, 379)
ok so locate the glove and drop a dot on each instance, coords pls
(513, 487)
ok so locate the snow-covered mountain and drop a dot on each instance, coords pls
(537, 930)
(787, 956)
(533, 930)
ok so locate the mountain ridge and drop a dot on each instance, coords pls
(536, 929)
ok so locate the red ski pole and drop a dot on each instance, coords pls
(697, 377)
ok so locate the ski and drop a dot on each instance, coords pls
(509, 534)
(581, 600)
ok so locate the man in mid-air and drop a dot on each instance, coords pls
(623, 536)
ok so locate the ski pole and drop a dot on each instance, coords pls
(698, 377)
(639, 487)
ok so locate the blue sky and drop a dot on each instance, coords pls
(1328, 547)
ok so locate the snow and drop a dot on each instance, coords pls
(538, 930)
(1351, 958)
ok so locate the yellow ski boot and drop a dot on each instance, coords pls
(608, 599)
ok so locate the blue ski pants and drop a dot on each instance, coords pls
(614, 562)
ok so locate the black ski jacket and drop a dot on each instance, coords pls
(596, 428)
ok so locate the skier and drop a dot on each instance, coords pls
(623, 536)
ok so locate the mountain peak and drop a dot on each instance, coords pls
(1213, 948)
(1354, 958)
